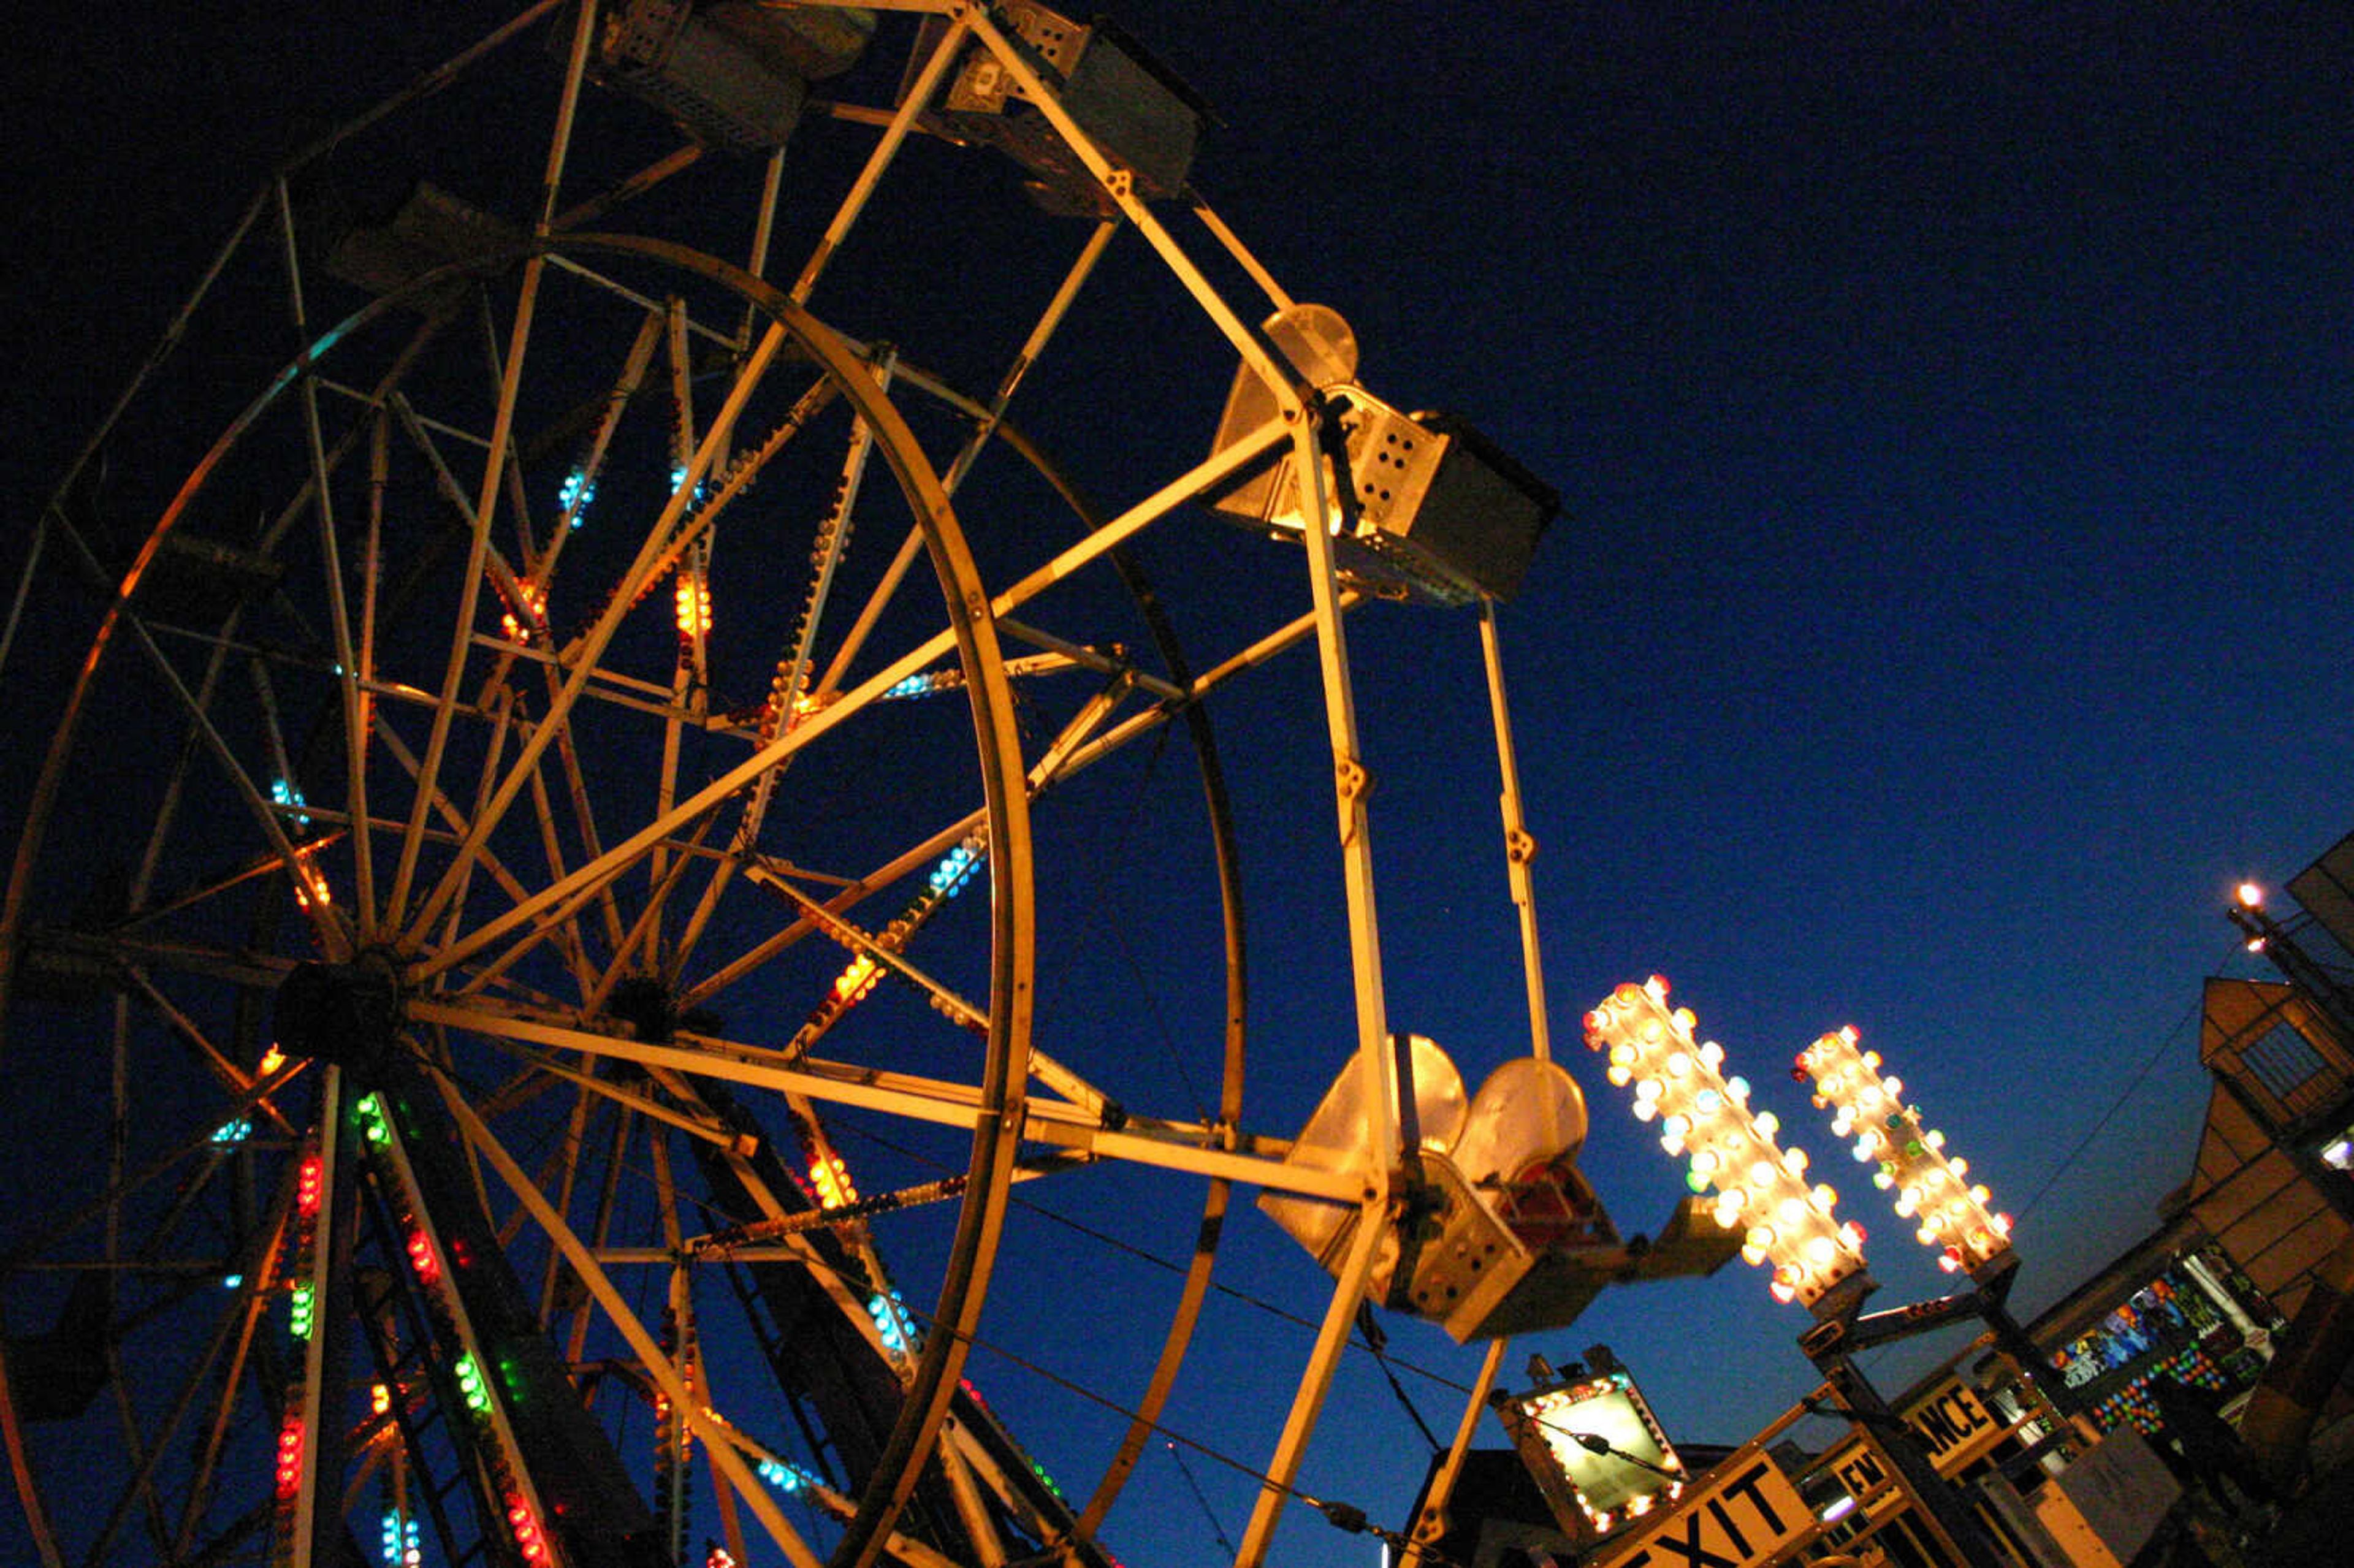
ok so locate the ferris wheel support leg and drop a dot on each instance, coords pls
(1391, 1126)
(1431, 1523)
(305, 1446)
(1332, 1338)
(1519, 846)
(1385, 1063)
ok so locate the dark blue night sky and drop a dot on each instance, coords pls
(1953, 411)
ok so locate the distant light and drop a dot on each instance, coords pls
(2249, 895)
(1841, 1507)
(2340, 1154)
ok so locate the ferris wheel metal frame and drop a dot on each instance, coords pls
(399, 935)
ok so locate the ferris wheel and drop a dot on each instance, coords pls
(590, 895)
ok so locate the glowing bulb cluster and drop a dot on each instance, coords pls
(1930, 1188)
(370, 1113)
(889, 1313)
(781, 1475)
(956, 869)
(308, 1186)
(469, 1384)
(310, 889)
(285, 792)
(831, 1177)
(523, 1525)
(420, 1256)
(1704, 1116)
(573, 499)
(924, 683)
(299, 1315)
(534, 610)
(694, 597)
(856, 979)
(231, 1133)
(290, 1454)
(402, 1548)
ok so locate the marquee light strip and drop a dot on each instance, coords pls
(1929, 1187)
(1706, 1117)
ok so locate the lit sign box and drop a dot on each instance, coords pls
(1596, 1450)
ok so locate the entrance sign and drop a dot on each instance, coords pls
(1955, 1428)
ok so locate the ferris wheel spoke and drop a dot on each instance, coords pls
(510, 468)
(313, 896)
(253, 1089)
(242, 1326)
(579, 489)
(788, 687)
(565, 936)
(659, 552)
(657, 1365)
(147, 1450)
(764, 872)
(617, 860)
(583, 809)
(640, 951)
(478, 533)
(351, 697)
(554, 915)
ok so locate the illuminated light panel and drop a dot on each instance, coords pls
(285, 792)
(781, 1475)
(578, 489)
(1607, 1488)
(307, 1186)
(523, 1525)
(290, 1454)
(855, 982)
(889, 1321)
(1761, 1187)
(534, 606)
(374, 1128)
(470, 1385)
(1926, 1186)
(694, 600)
(831, 1177)
(421, 1258)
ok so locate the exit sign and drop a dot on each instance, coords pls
(1744, 1515)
